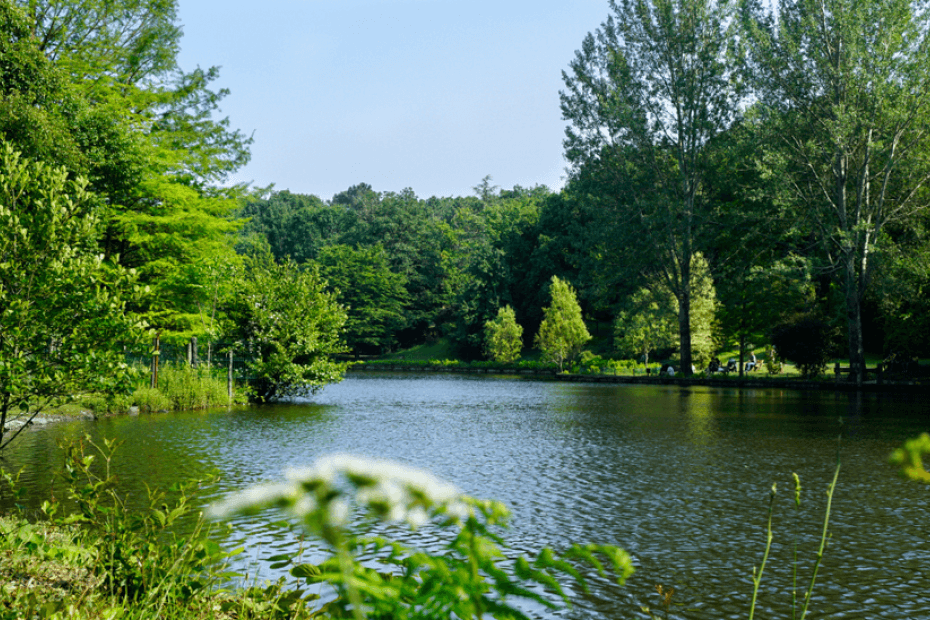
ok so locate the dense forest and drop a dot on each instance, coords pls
(737, 176)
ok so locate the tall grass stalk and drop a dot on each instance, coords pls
(757, 576)
(823, 539)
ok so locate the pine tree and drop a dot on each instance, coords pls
(562, 332)
(503, 336)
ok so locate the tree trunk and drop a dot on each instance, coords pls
(684, 314)
(854, 320)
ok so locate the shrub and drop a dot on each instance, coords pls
(804, 341)
(150, 400)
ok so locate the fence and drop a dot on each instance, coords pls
(231, 356)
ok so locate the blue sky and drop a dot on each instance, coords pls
(427, 94)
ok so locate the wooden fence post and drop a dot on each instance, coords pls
(229, 377)
(836, 371)
(156, 353)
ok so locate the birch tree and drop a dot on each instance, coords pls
(844, 84)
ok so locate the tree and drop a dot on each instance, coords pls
(106, 98)
(503, 337)
(62, 320)
(649, 324)
(289, 324)
(295, 225)
(374, 298)
(805, 341)
(646, 96)
(482, 263)
(845, 86)
(759, 297)
(562, 332)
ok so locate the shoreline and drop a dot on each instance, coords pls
(902, 387)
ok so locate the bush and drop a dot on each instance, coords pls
(804, 341)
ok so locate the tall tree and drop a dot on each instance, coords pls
(646, 95)
(846, 85)
(149, 145)
(63, 325)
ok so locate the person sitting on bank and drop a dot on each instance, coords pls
(714, 365)
(752, 363)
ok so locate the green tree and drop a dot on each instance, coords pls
(562, 332)
(295, 225)
(646, 96)
(62, 320)
(845, 86)
(503, 337)
(116, 108)
(647, 325)
(483, 256)
(289, 324)
(374, 298)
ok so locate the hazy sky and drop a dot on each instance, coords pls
(427, 94)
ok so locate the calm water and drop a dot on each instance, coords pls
(678, 477)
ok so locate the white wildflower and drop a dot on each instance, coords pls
(254, 498)
(417, 517)
(339, 512)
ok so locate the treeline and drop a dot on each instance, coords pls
(760, 181)
(740, 175)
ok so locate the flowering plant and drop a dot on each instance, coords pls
(467, 574)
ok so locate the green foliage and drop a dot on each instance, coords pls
(137, 557)
(466, 575)
(289, 323)
(645, 97)
(562, 332)
(373, 296)
(824, 537)
(486, 249)
(296, 226)
(806, 342)
(703, 315)
(773, 364)
(846, 103)
(186, 388)
(503, 337)
(649, 324)
(62, 319)
(909, 458)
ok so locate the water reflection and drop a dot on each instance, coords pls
(679, 477)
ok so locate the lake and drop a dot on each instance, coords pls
(679, 477)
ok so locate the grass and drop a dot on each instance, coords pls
(103, 562)
(441, 349)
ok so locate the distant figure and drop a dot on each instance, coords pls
(751, 364)
(671, 370)
(714, 364)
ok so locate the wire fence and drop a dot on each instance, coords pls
(232, 357)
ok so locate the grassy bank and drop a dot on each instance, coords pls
(101, 561)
